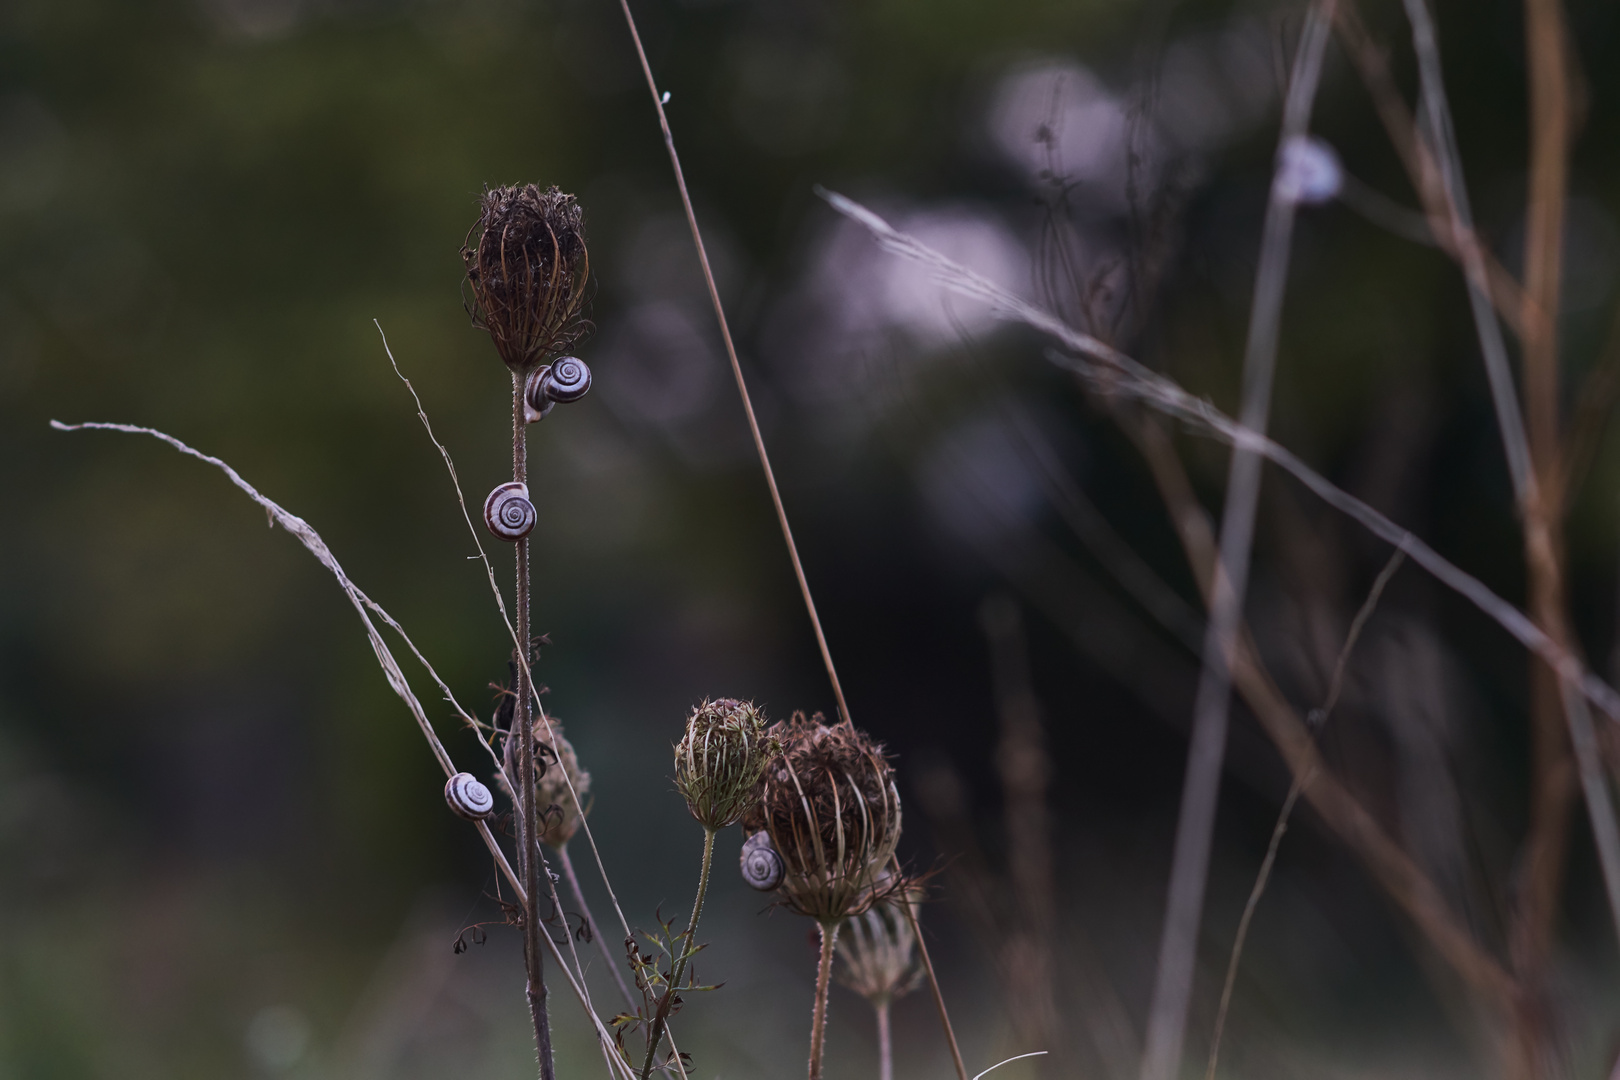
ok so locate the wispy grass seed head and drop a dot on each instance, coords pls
(528, 267)
(830, 805)
(720, 760)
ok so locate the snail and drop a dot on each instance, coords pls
(563, 381)
(468, 797)
(761, 865)
(508, 511)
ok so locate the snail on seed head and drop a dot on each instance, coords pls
(468, 797)
(508, 511)
(761, 865)
(559, 382)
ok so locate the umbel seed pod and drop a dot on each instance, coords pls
(829, 803)
(527, 267)
(878, 952)
(720, 759)
(559, 812)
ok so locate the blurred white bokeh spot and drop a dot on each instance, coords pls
(278, 1036)
(1057, 119)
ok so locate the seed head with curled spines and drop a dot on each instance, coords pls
(556, 767)
(528, 268)
(830, 805)
(720, 759)
(877, 950)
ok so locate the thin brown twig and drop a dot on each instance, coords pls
(1300, 783)
(736, 366)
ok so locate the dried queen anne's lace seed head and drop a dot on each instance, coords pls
(720, 759)
(558, 768)
(877, 951)
(829, 803)
(528, 268)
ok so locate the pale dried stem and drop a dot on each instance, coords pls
(301, 530)
(933, 986)
(1112, 373)
(1195, 826)
(590, 921)
(523, 660)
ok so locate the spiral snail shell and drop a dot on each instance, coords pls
(560, 382)
(468, 797)
(508, 511)
(567, 379)
(761, 866)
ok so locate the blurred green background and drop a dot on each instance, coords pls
(223, 849)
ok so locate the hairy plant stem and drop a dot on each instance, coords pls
(885, 1042)
(668, 1000)
(522, 723)
(818, 1014)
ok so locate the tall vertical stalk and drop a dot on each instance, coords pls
(522, 724)
(818, 1016)
(668, 1000)
(885, 1041)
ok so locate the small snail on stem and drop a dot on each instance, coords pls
(762, 867)
(508, 512)
(468, 797)
(564, 380)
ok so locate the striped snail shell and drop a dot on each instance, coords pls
(535, 402)
(566, 379)
(508, 511)
(761, 865)
(468, 797)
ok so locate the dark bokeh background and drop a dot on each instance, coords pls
(223, 851)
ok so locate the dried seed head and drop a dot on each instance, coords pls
(528, 267)
(720, 759)
(554, 759)
(877, 952)
(829, 802)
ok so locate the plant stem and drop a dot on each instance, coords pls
(885, 1044)
(818, 1015)
(522, 724)
(668, 1000)
(590, 921)
(933, 985)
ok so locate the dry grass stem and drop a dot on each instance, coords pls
(1112, 372)
(736, 366)
(312, 542)
(1195, 826)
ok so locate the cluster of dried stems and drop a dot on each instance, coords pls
(844, 800)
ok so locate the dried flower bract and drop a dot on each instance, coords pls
(558, 767)
(719, 761)
(878, 951)
(528, 268)
(829, 802)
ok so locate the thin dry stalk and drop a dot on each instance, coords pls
(736, 367)
(521, 654)
(759, 445)
(1320, 716)
(301, 530)
(933, 986)
(590, 921)
(1195, 827)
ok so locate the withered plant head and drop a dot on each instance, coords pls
(528, 268)
(554, 760)
(829, 802)
(720, 759)
(877, 950)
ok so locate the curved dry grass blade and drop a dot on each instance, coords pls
(1115, 373)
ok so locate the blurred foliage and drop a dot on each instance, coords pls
(222, 845)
